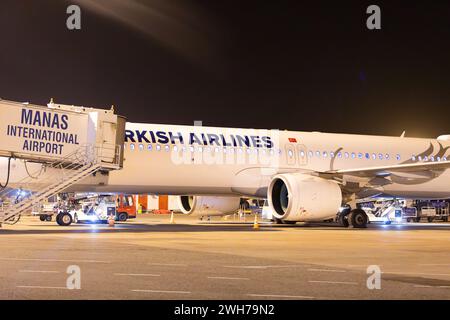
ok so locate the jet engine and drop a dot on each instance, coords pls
(300, 197)
(208, 205)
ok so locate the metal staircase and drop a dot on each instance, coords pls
(54, 177)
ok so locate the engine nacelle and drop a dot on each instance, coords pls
(208, 205)
(301, 197)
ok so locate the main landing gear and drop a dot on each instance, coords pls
(356, 218)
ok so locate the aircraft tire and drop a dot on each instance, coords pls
(358, 219)
(343, 220)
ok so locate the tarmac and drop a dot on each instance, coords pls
(149, 258)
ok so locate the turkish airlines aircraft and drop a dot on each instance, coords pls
(306, 176)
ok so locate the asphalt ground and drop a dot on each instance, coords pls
(149, 258)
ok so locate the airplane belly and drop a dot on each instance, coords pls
(161, 175)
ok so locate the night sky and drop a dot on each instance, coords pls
(299, 65)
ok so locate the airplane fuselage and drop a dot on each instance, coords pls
(189, 160)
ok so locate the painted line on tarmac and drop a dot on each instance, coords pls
(54, 260)
(38, 271)
(168, 264)
(433, 264)
(351, 265)
(39, 287)
(161, 291)
(326, 270)
(263, 267)
(417, 273)
(228, 278)
(431, 287)
(137, 274)
(279, 296)
(333, 282)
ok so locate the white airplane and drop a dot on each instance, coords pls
(306, 176)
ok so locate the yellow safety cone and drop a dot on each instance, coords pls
(172, 219)
(255, 223)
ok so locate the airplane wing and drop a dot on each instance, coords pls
(383, 171)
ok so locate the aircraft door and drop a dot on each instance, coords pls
(108, 139)
(111, 137)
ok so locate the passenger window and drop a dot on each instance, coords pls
(380, 156)
(387, 156)
(325, 154)
(149, 147)
(167, 148)
(158, 147)
(132, 146)
(318, 154)
(398, 157)
(141, 147)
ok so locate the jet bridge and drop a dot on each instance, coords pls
(69, 142)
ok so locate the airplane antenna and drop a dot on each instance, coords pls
(403, 134)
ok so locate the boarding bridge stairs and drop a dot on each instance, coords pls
(54, 177)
